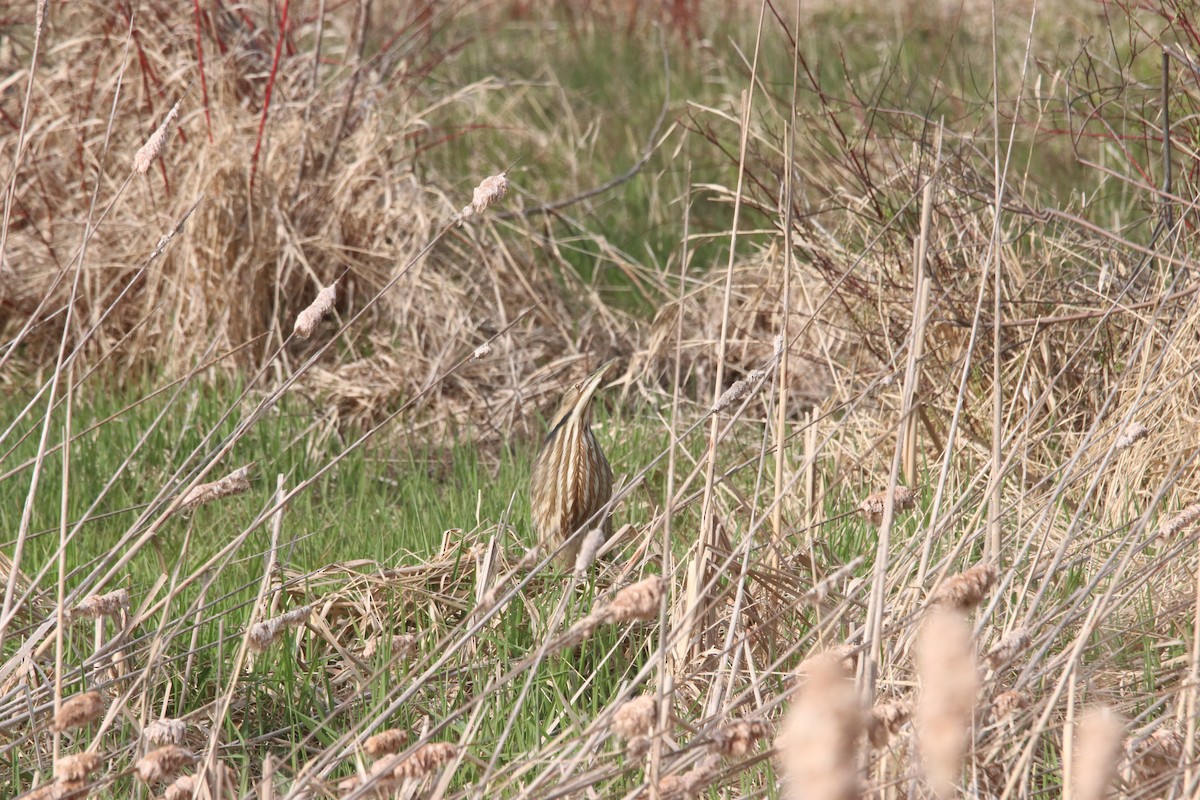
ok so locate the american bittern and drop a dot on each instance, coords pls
(571, 477)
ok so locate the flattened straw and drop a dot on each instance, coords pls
(149, 151)
(234, 483)
(307, 320)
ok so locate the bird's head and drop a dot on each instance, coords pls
(577, 399)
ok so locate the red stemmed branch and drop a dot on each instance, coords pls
(262, 122)
(200, 62)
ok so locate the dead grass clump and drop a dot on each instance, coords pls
(946, 667)
(817, 741)
(79, 711)
(967, 589)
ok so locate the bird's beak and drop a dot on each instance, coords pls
(592, 383)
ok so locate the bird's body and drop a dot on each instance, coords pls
(571, 477)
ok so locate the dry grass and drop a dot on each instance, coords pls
(1014, 374)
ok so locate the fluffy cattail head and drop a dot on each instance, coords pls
(162, 764)
(1100, 734)
(875, 505)
(234, 483)
(967, 589)
(149, 151)
(101, 605)
(1008, 648)
(182, 788)
(640, 600)
(77, 767)
(491, 190)
(1132, 434)
(165, 731)
(946, 668)
(1179, 522)
(1008, 703)
(426, 759)
(79, 711)
(1153, 757)
(266, 633)
(886, 720)
(402, 645)
(588, 550)
(737, 738)
(636, 717)
(818, 739)
(386, 742)
(306, 320)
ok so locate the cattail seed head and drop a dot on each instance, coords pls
(149, 151)
(182, 788)
(886, 720)
(738, 390)
(77, 767)
(1008, 648)
(737, 738)
(1008, 703)
(59, 790)
(1179, 522)
(266, 633)
(161, 764)
(592, 543)
(638, 601)
(967, 589)
(483, 351)
(1132, 434)
(403, 645)
(78, 711)
(491, 190)
(946, 668)
(875, 505)
(636, 717)
(165, 731)
(817, 741)
(1152, 757)
(306, 320)
(234, 483)
(426, 759)
(1097, 754)
(101, 605)
(386, 742)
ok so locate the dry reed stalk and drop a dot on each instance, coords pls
(165, 731)
(1155, 756)
(587, 551)
(817, 743)
(403, 645)
(162, 763)
(886, 720)
(182, 788)
(1097, 754)
(1008, 703)
(308, 319)
(967, 589)
(1178, 522)
(77, 767)
(385, 743)
(946, 667)
(873, 507)
(234, 483)
(101, 605)
(1132, 434)
(737, 738)
(266, 633)
(737, 391)
(1008, 648)
(491, 190)
(78, 711)
(149, 151)
(636, 717)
